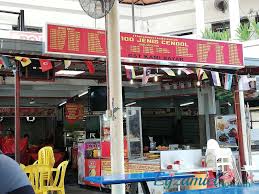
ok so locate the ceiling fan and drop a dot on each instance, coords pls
(96, 8)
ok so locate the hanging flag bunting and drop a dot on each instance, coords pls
(67, 63)
(90, 67)
(46, 65)
(204, 76)
(133, 73)
(6, 62)
(199, 73)
(130, 72)
(182, 85)
(146, 74)
(168, 71)
(257, 83)
(1, 63)
(228, 81)
(244, 83)
(25, 61)
(187, 71)
(174, 86)
(215, 78)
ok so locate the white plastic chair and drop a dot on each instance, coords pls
(211, 152)
(224, 159)
(219, 158)
(212, 144)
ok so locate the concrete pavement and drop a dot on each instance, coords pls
(75, 189)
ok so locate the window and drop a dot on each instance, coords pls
(220, 26)
(244, 20)
(254, 119)
(179, 33)
(257, 18)
(29, 28)
(225, 25)
(183, 34)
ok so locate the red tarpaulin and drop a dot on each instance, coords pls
(8, 145)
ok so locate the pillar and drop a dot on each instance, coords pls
(207, 112)
(115, 96)
(239, 128)
(234, 17)
(212, 106)
(200, 20)
(241, 124)
(133, 16)
(17, 114)
(201, 117)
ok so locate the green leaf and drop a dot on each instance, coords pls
(209, 34)
(225, 35)
(244, 32)
(255, 26)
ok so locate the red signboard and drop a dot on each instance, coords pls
(92, 168)
(74, 112)
(145, 48)
(28, 112)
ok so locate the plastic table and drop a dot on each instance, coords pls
(253, 189)
(141, 178)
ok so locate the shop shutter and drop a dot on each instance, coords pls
(190, 127)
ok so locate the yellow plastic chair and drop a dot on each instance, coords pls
(22, 166)
(37, 176)
(58, 184)
(46, 156)
(31, 176)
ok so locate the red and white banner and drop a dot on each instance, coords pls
(144, 48)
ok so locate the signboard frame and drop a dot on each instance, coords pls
(144, 61)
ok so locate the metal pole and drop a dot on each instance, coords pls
(21, 21)
(10, 12)
(115, 96)
(17, 115)
(243, 122)
(239, 127)
(234, 17)
(133, 16)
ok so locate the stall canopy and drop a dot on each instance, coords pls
(251, 53)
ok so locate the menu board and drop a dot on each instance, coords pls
(143, 47)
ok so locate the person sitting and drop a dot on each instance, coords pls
(13, 180)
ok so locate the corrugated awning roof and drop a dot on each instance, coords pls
(252, 62)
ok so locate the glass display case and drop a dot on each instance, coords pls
(134, 132)
(133, 145)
